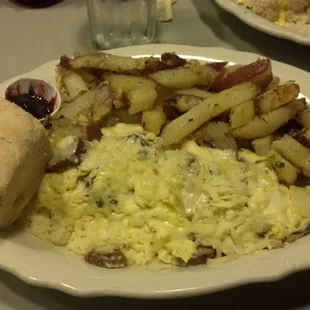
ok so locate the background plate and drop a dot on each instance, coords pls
(41, 265)
(262, 24)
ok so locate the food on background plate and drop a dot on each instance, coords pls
(25, 152)
(172, 160)
(294, 14)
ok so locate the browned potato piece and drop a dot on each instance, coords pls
(261, 126)
(193, 92)
(304, 117)
(121, 83)
(274, 83)
(139, 92)
(192, 74)
(294, 152)
(276, 97)
(90, 106)
(141, 99)
(304, 137)
(184, 103)
(90, 79)
(231, 69)
(101, 105)
(241, 114)
(262, 145)
(76, 109)
(74, 84)
(153, 120)
(287, 173)
(104, 61)
(211, 107)
(215, 134)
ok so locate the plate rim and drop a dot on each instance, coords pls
(185, 290)
(263, 25)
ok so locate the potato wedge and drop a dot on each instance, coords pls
(287, 173)
(211, 107)
(184, 103)
(193, 92)
(81, 108)
(153, 120)
(193, 74)
(274, 83)
(141, 99)
(121, 83)
(74, 84)
(262, 145)
(231, 69)
(215, 134)
(304, 137)
(78, 109)
(136, 91)
(114, 63)
(218, 65)
(276, 97)
(242, 114)
(264, 125)
(259, 72)
(303, 117)
(101, 105)
(294, 152)
(89, 78)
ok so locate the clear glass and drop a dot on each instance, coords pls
(115, 23)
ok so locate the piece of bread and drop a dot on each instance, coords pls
(25, 151)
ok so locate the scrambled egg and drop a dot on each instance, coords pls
(129, 194)
(273, 10)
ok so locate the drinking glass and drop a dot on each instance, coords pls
(115, 23)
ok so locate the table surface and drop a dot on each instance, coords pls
(43, 35)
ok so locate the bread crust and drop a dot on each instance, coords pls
(25, 153)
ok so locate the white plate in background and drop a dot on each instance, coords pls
(262, 24)
(41, 265)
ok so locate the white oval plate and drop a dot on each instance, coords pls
(41, 265)
(262, 24)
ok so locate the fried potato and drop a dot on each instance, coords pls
(218, 66)
(138, 92)
(242, 114)
(211, 107)
(274, 83)
(193, 92)
(231, 69)
(215, 134)
(184, 103)
(89, 78)
(264, 125)
(76, 109)
(262, 145)
(121, 83)
(287, 173)
(294, 152)
(114, 63)
(303, 117)
(193, 74)
(153, 120)
(276, 97)
(259, 72)
(74, 84)
(101, 105)
(141, 99)
(83, 107)
(304, 137)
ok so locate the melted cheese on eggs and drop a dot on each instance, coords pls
(129, 194)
